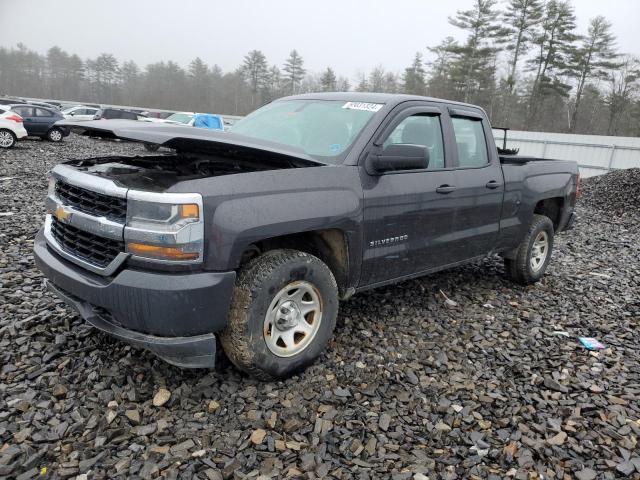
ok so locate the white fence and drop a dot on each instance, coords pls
(595, 154)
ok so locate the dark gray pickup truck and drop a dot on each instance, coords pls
(255, 234)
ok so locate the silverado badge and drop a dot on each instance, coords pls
(388, 241)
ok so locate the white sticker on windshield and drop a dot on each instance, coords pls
(369, 107)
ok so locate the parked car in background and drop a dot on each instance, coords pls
(199, 120)
(11, 101)
(113, 113)
(11, 128)
(52, 106)
(184, 118)
(208, 121)
(40, 121)
(80, 112)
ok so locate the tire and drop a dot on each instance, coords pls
(267, 335)
(534, 253)
(7, 138)
(55, 135)
(151, 147)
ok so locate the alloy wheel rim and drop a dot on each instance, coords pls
(6, 140)
(56, 136)
(539, 251)
(293, 319)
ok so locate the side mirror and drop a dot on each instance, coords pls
(399, 156)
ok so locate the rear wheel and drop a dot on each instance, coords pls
(55, 135)
(7, 138)
(534, 253)
(283, 313)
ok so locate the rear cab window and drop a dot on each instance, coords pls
(470, 142)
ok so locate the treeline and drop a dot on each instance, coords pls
(524, 61)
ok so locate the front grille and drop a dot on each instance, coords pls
(96, 250)
(93, 203)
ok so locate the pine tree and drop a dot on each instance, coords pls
(439, 84)
(376, 79)
(129, 81)
(593, 59)
(328, 81)
(256, 72)
(413, 80)
(555, 46)
(200, 87)
(473, 68)
(363, 85)
(624, 85)
(294, 70)
(521, 24)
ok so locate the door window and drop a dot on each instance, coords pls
(471, 143)
(421, 130)
(41, 112)
(23, 111)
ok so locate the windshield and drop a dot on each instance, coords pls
(180, 117)
(69, 109)
(324, 129)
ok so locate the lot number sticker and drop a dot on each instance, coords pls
(368, 107)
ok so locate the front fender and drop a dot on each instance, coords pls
(324, 198)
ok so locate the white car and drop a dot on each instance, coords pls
(181, 118)
(11, 128)
(79, 112)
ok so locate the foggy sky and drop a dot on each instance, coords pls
(348, 35)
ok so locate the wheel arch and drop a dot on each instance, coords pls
(329, 245)
(551, 208)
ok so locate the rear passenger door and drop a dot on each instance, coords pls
(43, 119)
(479, 185)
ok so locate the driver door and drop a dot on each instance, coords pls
(407, 214)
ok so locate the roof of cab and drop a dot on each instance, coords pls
(373, 97)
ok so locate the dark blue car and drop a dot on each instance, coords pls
(40, 121)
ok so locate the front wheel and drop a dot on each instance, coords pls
(7, 139)
(55, 135)
(283, 313)
(532, 256)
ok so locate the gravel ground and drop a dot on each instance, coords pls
(491, 384)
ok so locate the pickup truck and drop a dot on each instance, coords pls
(254, 235)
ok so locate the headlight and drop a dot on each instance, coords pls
(165, 226)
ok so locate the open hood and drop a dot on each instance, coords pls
(187, 139)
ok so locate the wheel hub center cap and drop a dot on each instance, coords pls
(288, 316)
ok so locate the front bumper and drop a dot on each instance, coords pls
(173, 315)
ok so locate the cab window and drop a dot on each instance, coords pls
(23, 111)
(421, 130)
(41, 112)
(471, 142)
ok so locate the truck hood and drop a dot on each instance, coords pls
(185, 139)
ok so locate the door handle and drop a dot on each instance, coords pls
(492, 184)
(445, 189)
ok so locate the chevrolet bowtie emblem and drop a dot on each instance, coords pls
(62, 214)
